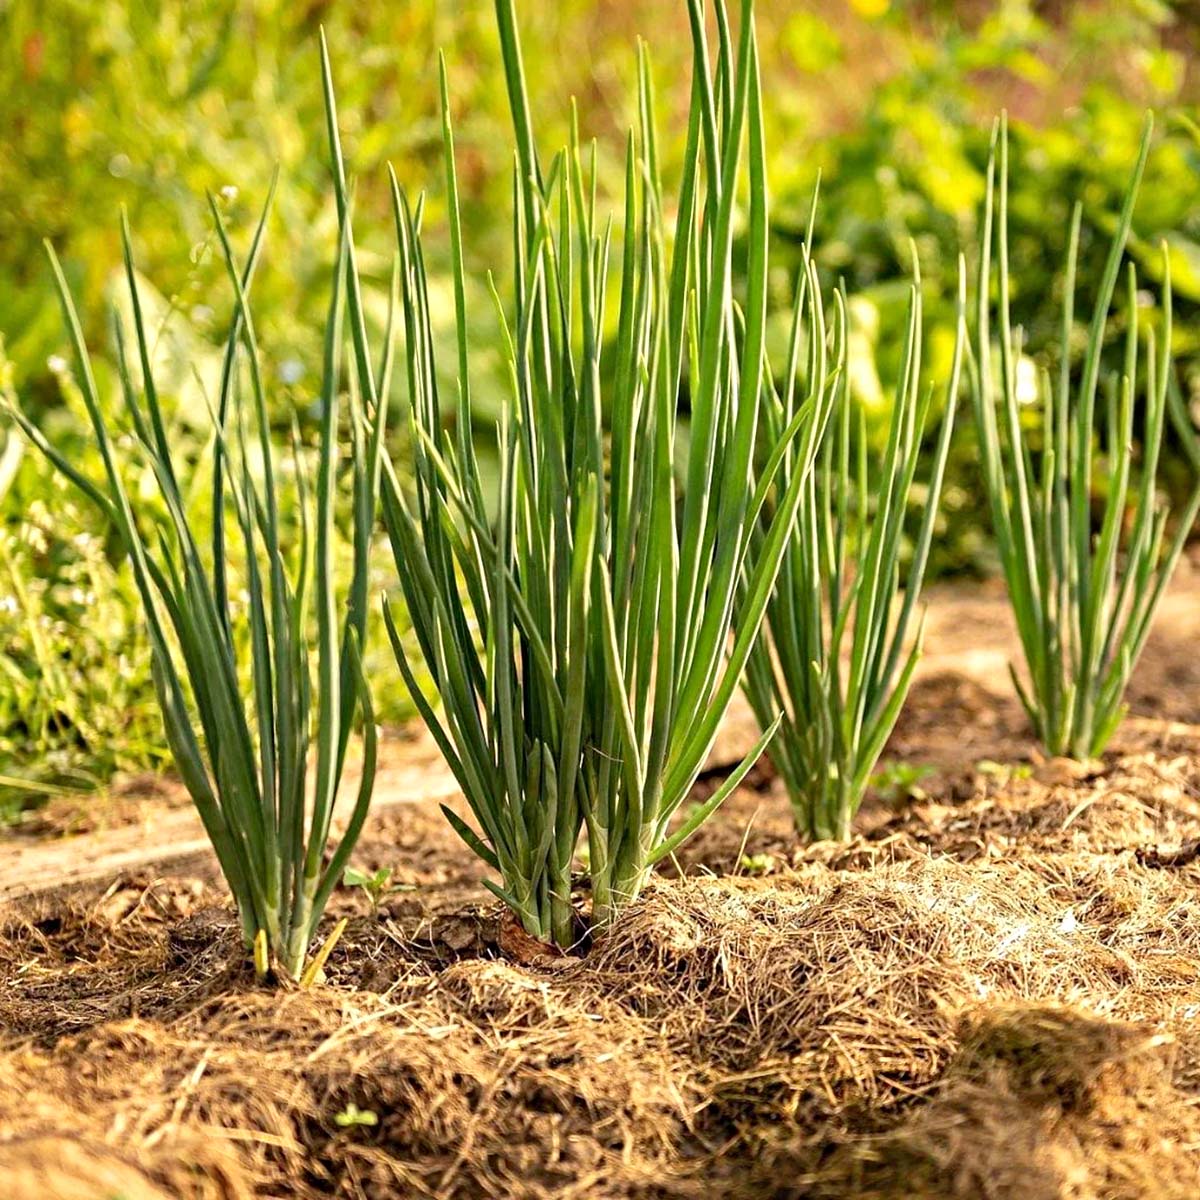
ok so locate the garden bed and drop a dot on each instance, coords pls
(994, 990)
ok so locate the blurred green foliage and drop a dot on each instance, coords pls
(911, 173)
(152, 103)
(76, 697)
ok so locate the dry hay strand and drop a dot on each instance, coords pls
(1150, 916)
(139, 947)
(728, 1038)
(59, 1168)
(57, 1142)
(484, 1082)
(1043, 1103)
(1128, 802)
(831, 993)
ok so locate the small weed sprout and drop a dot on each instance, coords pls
(1004, 773)
(353, 1117)
(896, 782)
(756, 864)
(374, 886)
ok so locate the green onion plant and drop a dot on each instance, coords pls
(243, 748)
(1083, 597)
(580, 636)
(838, 652)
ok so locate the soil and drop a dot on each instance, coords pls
(992, 991)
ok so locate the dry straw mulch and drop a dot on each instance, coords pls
(925, 1028)
(993, 992)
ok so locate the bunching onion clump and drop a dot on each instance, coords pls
(235, 676)
(580, 638)
(836, 658)
(1083, 605)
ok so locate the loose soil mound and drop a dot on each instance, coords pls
(993, 991)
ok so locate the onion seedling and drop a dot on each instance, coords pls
(836, 658)
(243, 752)
(580, 641)
(1083, 603)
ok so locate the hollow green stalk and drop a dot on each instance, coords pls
(837, 656)
(243, 753)
(581, 638)
(1083, 597)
